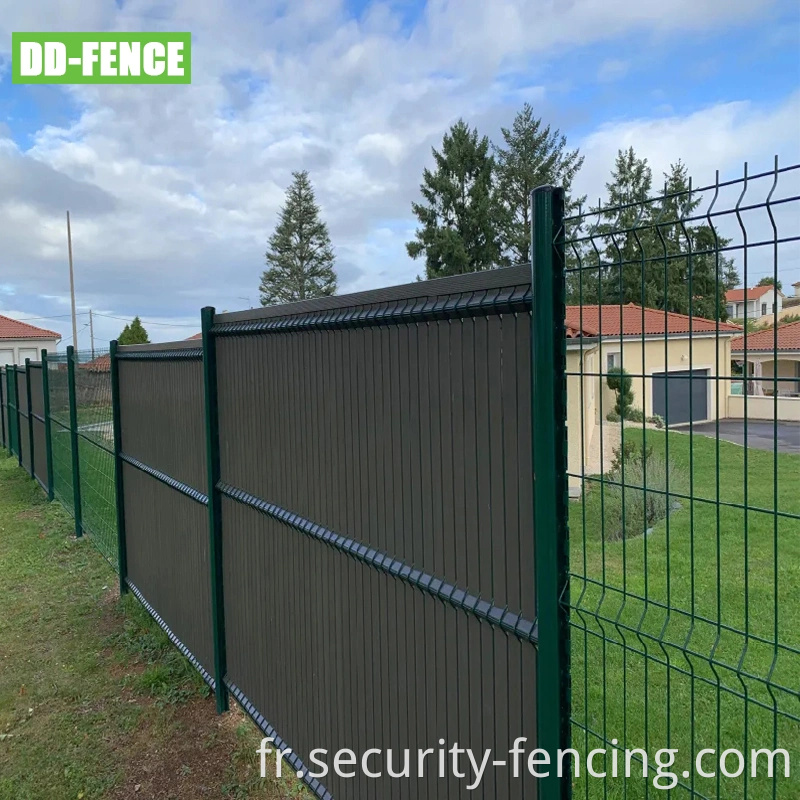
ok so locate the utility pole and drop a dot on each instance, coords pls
(91, 332)
(72, 287)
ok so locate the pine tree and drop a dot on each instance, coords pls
(697, 280)
(655, 251)
(134, 333)
(534, 155)
(300, 257)
(460, 219)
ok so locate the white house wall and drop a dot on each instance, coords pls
(15, 351)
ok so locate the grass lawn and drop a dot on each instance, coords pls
(94, 700)
(697, 621)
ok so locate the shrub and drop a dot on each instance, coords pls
(612, 416)
(645, 479)
(634, 415)
(620, 382)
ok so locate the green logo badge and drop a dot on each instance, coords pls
(101, 57)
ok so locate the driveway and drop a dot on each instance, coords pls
(760, 433)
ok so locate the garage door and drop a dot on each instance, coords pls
(686, 399)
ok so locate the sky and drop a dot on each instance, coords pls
(173, 191)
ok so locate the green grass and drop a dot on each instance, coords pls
(681, 613)
(94, 699)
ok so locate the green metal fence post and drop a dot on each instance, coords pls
(550, 502)
(122, 545)
(73, 435)
(48, 443)
(29, 409)
(214, 506)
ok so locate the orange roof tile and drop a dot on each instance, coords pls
(632, 320)
(788, 339)
(99, 364)
(14, 329)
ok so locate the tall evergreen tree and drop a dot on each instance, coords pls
(613, 261)
(300, 257)
(134, 333)
(460, 219)
(697, 276)
(533, 155)
(654, 251)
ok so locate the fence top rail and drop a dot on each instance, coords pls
(187, 344)
(502, 277)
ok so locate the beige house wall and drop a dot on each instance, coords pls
(764, 408)
(657, 359)
(788, 367)
(581, 408)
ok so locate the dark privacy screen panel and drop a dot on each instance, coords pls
(162, 412)
(164, 480)
(167, 539)
(24, 431)
(338, 655)
(405, 430)
(412, 439)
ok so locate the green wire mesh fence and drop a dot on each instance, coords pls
(82, 438)
(685, 519)
(95, 436)
(60, 433)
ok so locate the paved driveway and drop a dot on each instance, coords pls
(760, 434)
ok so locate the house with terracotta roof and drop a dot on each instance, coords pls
(674, 361)
(771, 360)
(753, 303)
(20, 340)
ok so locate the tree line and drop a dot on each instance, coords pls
(474, 214)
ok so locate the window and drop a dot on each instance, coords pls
(6, 357)
(763, 309)
(28, 352)
(612, 361)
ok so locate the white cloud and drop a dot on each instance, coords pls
(612, 69)
(720, 137)
(174, 190)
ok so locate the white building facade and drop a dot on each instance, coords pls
(760, 301)
(19, 340)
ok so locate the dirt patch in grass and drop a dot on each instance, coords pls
(192, 762)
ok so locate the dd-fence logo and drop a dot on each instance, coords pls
(101, 57)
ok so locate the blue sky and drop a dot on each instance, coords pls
(174, 190)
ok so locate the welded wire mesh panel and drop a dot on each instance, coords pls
(60, 439)
(38, 425)
(684, 467)
(96, 449)
(376, 481)
(22, 412)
